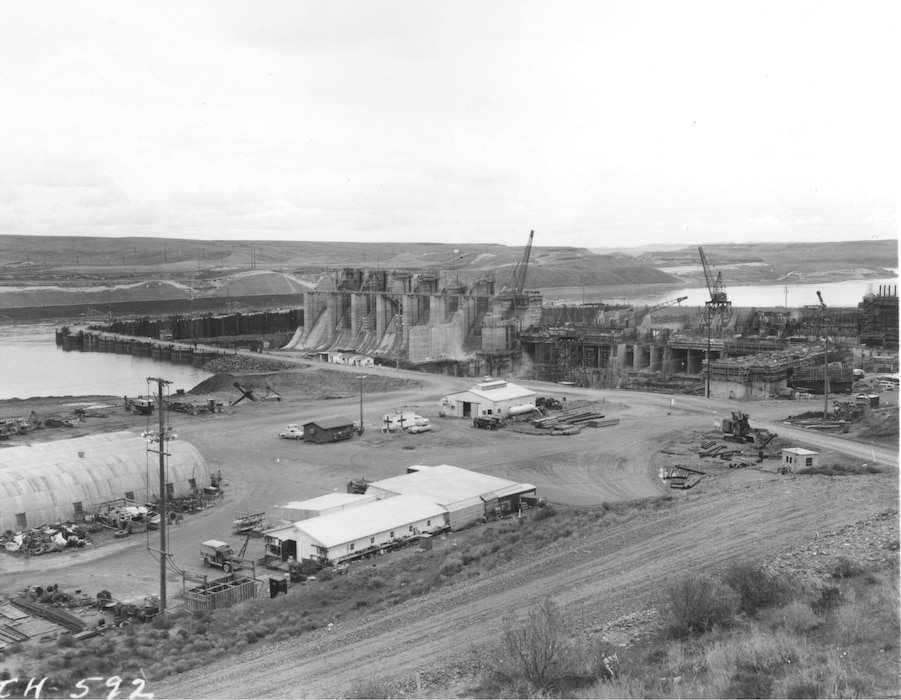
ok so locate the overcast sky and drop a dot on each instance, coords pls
(597, 123)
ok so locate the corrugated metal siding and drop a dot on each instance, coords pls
(43, 480)
(463, 513)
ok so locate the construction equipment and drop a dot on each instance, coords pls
(249, 522)
(518, 280)
(718, 309)
(738, 429)
(487, 422)
(245, 394)
(140, 404)
(622, 322)
(271, 395)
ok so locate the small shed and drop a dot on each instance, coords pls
(798, 458)
(328, 430)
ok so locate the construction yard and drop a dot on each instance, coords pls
(654, 488)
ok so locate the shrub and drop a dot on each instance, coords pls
(797, 618)
(749, 684)
(846, 568)
(452, 563)
(829, 598)
(544, 513)
(756, 587)
(534, 647)
(695, 604)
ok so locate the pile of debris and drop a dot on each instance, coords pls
(45, 539)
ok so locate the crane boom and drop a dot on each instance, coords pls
(518, 281)
(706, 271)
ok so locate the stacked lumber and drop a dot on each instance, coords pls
(682, 477)
(60, 617)
(568, 418)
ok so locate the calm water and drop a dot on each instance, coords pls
(846, 294)
(32, 365)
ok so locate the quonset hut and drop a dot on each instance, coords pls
(59, 481)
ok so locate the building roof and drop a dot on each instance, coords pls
(447, 485)
(329, 500)
(329, 423)
(368, 519)
(496, 391)
(800, 451)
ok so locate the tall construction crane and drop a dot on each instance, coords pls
(718, 310)
(518, 281)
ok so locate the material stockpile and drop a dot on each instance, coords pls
(45, 539)
(681, 477)
(570, 421)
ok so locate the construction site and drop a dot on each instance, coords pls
(417, 319)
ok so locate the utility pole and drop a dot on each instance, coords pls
(361, 378)
(400, 337)
(825, 323)
(161, 438)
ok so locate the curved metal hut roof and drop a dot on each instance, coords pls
(45, 480)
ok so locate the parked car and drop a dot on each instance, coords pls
(419, 428)
(292, 432)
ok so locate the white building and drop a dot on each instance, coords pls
(466, 495)
(358, 531)
(489, 398)
(798, 458)
(295, 511)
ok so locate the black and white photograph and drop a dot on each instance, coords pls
(418, 349)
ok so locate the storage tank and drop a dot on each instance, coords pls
(521, 410)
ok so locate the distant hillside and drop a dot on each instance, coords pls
(33, 260)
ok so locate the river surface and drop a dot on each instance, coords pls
(32, 365)
(835, 294)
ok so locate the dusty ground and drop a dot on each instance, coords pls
(746, 513)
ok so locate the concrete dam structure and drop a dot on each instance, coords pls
(412, 318)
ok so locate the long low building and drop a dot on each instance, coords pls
(355, 532)
(467, 496)
(295, 511)
(60, 481)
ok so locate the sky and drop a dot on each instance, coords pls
(599, 124)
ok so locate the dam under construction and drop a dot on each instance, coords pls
(426, 320)
(468, 328)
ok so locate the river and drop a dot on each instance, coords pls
(846, 294)
(32, 365)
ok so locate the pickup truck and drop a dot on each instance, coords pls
(216, 553)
